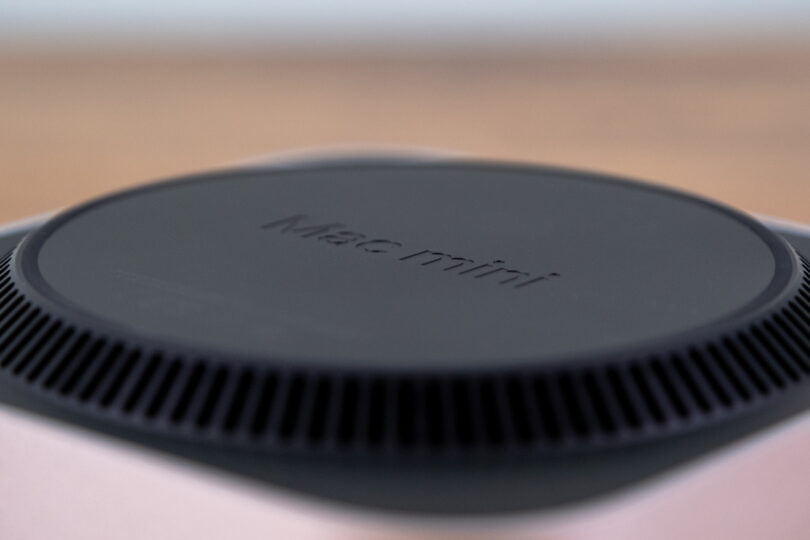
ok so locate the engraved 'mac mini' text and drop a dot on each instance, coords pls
(337, 235)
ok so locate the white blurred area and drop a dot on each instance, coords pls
(409, 23)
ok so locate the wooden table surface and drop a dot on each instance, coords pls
(729, 120)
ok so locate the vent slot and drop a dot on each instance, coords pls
(120, 379)
(320, 410)
(691, 384)
(16, 324)
(406, 410)
(434, 409)
(764, 364)
(733, 376)
(66, 360)
(292, 406)
(672, 394)
(103, 369)
(184, 402)
(238, 401)
(548, 412)
(466, 431)
(376, 416)
(140, 385)
(163, 390)
(519, 411)
(80, 368)
(265, 405)
(491, 412)
(13, 352)
(600, 404)
(647, 394)
(625, 401)
(32, 353)
(774, 353)
(747, 366)
(46, 358)
(212, 399)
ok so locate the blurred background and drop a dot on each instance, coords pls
(710, 96)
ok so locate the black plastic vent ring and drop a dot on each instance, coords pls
(626, 395)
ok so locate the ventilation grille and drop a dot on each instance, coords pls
(326, 412)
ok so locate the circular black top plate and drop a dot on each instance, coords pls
(439, 265)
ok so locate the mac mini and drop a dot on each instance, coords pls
(382, 348)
